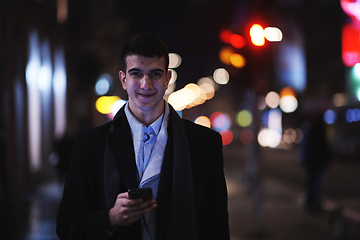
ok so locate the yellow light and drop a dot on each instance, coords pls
(257, 35)
(225, 54)
(176, 99)
(202, 98)
(208, 80)
(104, 104)
(273, 34)
(244, 118)
(204, 121)
(237, 60)
(208, 89)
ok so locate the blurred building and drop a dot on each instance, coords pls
(53, 52)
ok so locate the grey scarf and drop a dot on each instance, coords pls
(181, 223)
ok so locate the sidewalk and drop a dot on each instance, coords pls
(281, 215)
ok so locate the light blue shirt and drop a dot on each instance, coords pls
(149, 147)
(142, 146)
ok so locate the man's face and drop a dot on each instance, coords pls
(145, 81)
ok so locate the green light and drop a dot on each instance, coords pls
(353, 81)
(244, 118)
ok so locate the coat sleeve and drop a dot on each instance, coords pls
(218, 225)
(79, 215)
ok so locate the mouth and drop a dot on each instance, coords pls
(147, 95)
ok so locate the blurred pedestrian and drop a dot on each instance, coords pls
(147, 145)
(315, 157)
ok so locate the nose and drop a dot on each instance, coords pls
(146, 83)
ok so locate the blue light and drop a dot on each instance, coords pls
(265, 118)
(348, 116)
(352, 115)
(103, 83)
(330, 116)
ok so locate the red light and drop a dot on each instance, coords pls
(246, 136)
(227, 136)
(257, 35)
(237, 41)
(351, 7)
(351, 44)
(225, 36)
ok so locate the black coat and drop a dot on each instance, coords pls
(83, 213)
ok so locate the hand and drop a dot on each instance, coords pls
(127, 211)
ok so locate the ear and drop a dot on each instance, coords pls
(122, 79)
(168, 77)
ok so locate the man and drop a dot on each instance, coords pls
(146, 145)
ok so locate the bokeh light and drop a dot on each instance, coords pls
(103, 83)
(227, 136)
(272, 99)
(244, 118)
(269, 138)
(288, 104)
(225, 54)
(225, 36)
(299, 135)
(208, 80)
(176, 99)
(352, 115)
(330, 116)
(265, 118)
(237, 60)
(246, 136)
(340, 99)
(220, 121)
(221, 76)
(116, 107)
(208, 89)
(104, 104)
(174, 60)
(275, 119)
(287, 91)
(173, 76)
(273, 34)
(261, 104)
(257, 35)
(237, 41)
(289, 136)
(204, 121)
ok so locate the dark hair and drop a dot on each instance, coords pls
(146, 45)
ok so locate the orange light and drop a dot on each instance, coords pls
(237, 60)
(225, 54)
(287, 91)
(257, 35)
(237, 41)
(225, 36)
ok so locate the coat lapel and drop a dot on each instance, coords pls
(121, 145)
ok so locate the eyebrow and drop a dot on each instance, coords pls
(139, 70)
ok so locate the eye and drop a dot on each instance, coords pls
(156, 74)
(135, 74)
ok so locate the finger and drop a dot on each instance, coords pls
(123, 195)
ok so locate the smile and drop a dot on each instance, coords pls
(147, 95)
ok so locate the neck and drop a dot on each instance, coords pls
(148, 117)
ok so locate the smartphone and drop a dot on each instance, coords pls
(144, 193)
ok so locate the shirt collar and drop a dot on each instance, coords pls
(136, 126)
